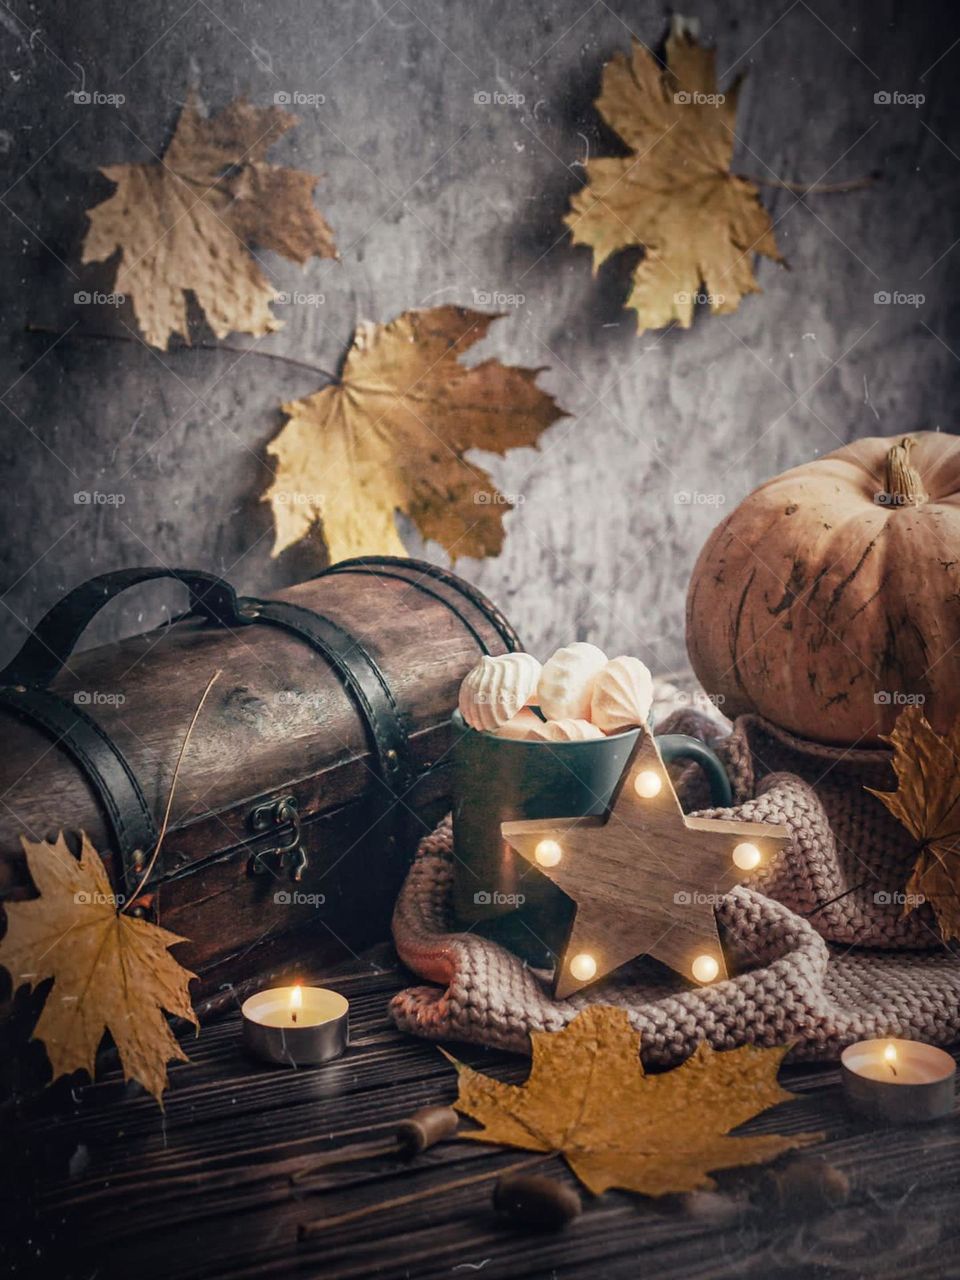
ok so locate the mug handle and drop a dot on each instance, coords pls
(681, 746)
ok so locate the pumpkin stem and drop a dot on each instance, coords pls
(903, 486)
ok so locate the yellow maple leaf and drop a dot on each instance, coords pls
(588, 1098)
(184, 223)
(674, 195)
(391, 436)
(927, 803)
(111, 972)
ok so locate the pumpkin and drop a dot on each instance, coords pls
(829, 599)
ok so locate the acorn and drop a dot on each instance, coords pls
(424, 1128)
(536, 1201)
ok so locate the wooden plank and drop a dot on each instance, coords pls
(103, 1182)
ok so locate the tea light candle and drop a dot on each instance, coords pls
(898, 1081)
(297, 1025)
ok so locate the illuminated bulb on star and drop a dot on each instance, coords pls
(648, 784)
(705, 968)
(583, 967)
(548, 853)
(747, 856)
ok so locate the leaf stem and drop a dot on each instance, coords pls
(91, 335)
(822, 906)
(173, 786)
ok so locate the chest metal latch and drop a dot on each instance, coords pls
(290, 855)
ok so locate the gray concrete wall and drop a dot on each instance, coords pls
(434, 197)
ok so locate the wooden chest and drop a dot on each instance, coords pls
(320, 756)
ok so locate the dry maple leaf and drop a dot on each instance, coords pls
(588, 1098)
(391, 436)
(927, 803)
(111, 971)
(184, 223)
(674, 195)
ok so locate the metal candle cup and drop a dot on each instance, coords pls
(898, 1081)
(298, 1032)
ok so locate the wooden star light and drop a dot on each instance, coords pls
(645, 878)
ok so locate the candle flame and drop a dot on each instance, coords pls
(890, 1057)
(296, 1000)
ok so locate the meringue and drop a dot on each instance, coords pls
(622, 695)
(524, 725)
(567, 731)
(497, 688)
(566, 681)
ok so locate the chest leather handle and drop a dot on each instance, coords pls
(51, 642)
(24, 692)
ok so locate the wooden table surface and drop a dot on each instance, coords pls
(101, 1183)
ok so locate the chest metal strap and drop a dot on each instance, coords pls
(103, 764)
(361, 677)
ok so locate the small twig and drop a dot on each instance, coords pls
(307, 1230)
(817, 188)
(413, 1135)
(173, 786)
(91, 335)
(346, 1155)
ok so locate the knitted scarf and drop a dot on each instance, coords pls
(819, 948)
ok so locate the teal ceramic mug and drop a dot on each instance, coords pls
(495, 780)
